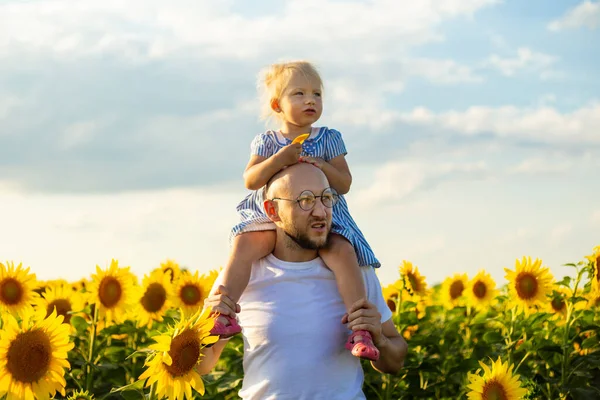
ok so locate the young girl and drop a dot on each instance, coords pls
(293, 96)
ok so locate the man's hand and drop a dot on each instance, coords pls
(363, 315)
(316, 161)
(220, 303)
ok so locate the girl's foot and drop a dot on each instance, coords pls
(361, 345)
(225, 327)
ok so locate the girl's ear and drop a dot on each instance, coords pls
(275, 105)
(271, 210)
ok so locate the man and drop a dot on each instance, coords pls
(293, 318)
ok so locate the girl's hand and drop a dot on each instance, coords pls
(289, 154)
(316, 161)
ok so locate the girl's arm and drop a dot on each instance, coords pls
(260, 169)
(336, 171)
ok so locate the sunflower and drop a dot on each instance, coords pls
(593, 298)
(171, 268)
(496, 383)
(529, 284)
(154, 298)
(391, 294)
(413, 282)
(33, 356)
(176, 354)
(81, 395)
(112, 292)
(81, 286)
(481, 290)
(59, 298)
(557, 302)
(452, 292)
(595, 264)
(190, 292)
(16, 288)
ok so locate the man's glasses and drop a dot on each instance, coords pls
(307, 199)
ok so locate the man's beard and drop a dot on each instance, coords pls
(304, 241)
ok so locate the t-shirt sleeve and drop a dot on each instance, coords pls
(334, 145)
(374, 292)
(262, 145)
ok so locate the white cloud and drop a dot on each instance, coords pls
(586, 14)
(65, 235)
(442, 71)
(141, 29)
(396, 181)
(559, 232)
(546, 124)
(525, 60)
(536, 166)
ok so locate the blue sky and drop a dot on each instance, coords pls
(471, 126)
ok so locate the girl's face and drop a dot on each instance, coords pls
(300, 102)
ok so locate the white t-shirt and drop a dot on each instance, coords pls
(293, 336)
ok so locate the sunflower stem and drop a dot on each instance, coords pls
(89, 370)
(153, 392)
(521, 362)
(565, 360)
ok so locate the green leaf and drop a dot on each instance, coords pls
(132, 395)
(492, 337)
(136, 386)
(79, 323)
(590, 342)
(566, 281)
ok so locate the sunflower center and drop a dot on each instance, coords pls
(63, 306)
(11, 291)
(479, 289)
(391, 302)
(598, 268)
(558, 304)
(414, 282)
(494, 391)
(154, 297)
(190, 294)
(456, 289)
(527, 286)
(29, 355)
(110, 292)
(184, 351)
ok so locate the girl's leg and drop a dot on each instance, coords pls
(340, 258)
(247, 248)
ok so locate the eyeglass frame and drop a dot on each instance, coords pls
(336, 198)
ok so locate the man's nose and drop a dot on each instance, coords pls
(319, 210)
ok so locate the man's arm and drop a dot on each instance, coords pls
(391, 345)
(210, 357)
(219, 302)
(392, 349)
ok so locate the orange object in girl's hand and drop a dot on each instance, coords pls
(301, 138)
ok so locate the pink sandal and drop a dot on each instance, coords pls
(363, 348)
(226, 331)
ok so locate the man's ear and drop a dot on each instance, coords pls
(271, 210)
(275, 105)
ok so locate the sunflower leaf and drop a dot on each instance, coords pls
(136, 386)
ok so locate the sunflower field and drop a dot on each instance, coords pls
(117, 336)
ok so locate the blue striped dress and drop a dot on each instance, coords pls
(324, 143)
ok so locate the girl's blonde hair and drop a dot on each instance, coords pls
(274, 79)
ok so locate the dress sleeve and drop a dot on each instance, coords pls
(262, 145)
(374, 292)
(334, 145)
